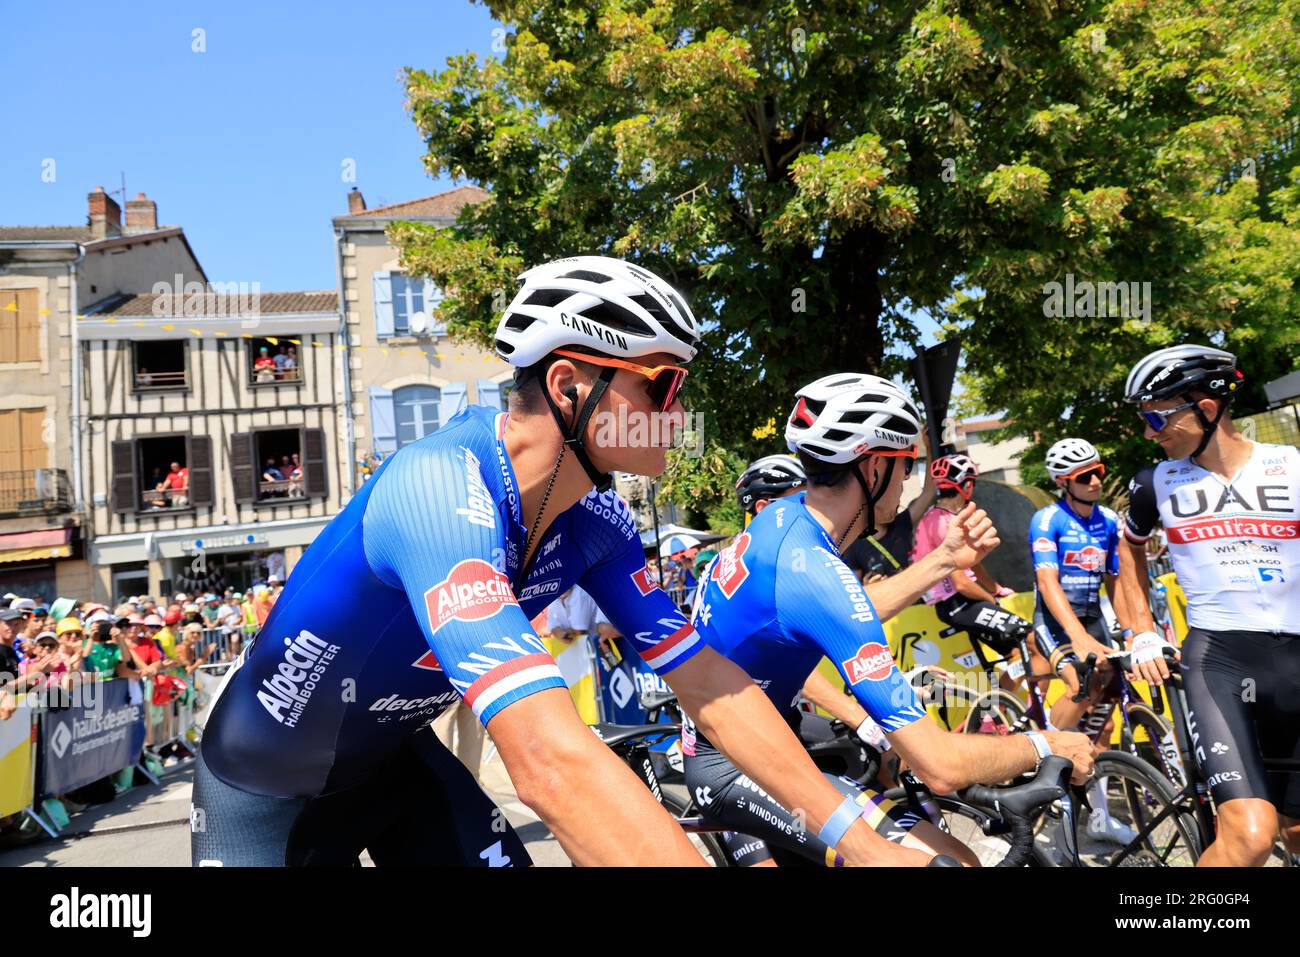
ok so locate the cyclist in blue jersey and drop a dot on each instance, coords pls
(1230, 508)
(779, 598)
(421, 590)
(1074, 546)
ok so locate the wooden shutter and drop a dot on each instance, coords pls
(450, 401)
(432, 299)
(126, 482)
(383, 421)
(8, 325)
(199, 460)
(29, 326)
(243, 473)
(489, 394)
(315, 478)
(383, 288)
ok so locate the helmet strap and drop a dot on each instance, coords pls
(573, 431)
(1208, 426)
(871, 499)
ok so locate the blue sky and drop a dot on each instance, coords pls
(243, 144)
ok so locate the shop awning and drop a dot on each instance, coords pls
(34, 546)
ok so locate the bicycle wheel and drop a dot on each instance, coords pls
(1136, 795)
(706, 842)
(1154, 743)
(975, 828)
(997, 711)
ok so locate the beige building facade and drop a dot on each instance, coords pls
(404, 376)
(49, 275)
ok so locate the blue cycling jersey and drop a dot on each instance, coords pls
(413, 595)
(779, 598)
(1081, 550)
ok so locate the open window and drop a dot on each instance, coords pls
(278, 466)
(162, 473)
(275, 361)
(159, 366)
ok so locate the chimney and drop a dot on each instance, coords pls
(141, 214)
(105, 215)
(356, 202)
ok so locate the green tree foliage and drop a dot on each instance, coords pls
(812, 173)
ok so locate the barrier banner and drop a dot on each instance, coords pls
(17, 759)
(91, 739)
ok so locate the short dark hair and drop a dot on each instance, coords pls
(826, 474)
(526, 396)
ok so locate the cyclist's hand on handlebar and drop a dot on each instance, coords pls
(970, 537)
(1146, 654)
(1077, 748)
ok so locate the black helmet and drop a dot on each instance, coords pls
(1178, 370)
(768, 477)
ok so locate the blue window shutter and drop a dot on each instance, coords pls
(383, 283)
(489, 394)
(432, 299)
(383, 421)
(451, 401)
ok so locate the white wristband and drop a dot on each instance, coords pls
(1039, 741)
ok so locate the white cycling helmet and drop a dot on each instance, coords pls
(1069, 455)
(606, 305)
(840, 418)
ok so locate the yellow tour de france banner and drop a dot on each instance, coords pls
(17, 760)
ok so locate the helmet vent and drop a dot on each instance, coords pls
(547, 297)
(617, 318)
(586, 275)
(518, 322)
(836, 435)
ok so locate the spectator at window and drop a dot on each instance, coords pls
(272, 478)
(177, 485)
(281, 363)
(291, 364)
(143, 379)
(264, 366)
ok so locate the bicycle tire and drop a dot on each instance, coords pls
(707, 843)
(1005, 710)
(1137, 793)
(1160, 750)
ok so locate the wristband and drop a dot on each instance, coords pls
(838, 824)
(1127, 634)
(1037, 739)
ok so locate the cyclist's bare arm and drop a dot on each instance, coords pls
(1117, 600)
(923, 501)
(600, 812)
(737, 717)
(823, 693)
(970, 537)
(1133, 585)
(949, 762)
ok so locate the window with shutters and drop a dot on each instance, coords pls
(275, 361)
(278, 466)
(162, 473)
(159, 366)
(23, 450)
(416, 410)
(20, 326)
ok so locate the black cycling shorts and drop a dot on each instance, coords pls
(1243, 694)
(1054, 643)
(995, 626)
(727, 797)
(422, 808)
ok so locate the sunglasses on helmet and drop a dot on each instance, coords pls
(1158, 420)
(665, 381)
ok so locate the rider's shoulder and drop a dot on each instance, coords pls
(1043, 518)
(606, 508)
(1108, 513)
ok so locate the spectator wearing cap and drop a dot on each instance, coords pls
(45, 669)
(263, 599)
(162, 633)
(209, 610)
(71, 636)
(102, 654)
(10, 624)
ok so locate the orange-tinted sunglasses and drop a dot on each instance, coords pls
(907, 455)
(665, 381)
(1086, 473)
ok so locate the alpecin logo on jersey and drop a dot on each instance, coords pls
(1044, 545)
(473, 590)
(730, 571)
(1092, 558)
(644, 583)
(428, 661)
(873, 662)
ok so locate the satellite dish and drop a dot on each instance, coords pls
(419, 322)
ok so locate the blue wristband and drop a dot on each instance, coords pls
(838, 824)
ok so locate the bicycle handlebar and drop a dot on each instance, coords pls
(1018, 803)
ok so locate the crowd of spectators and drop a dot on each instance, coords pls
(281, 367)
